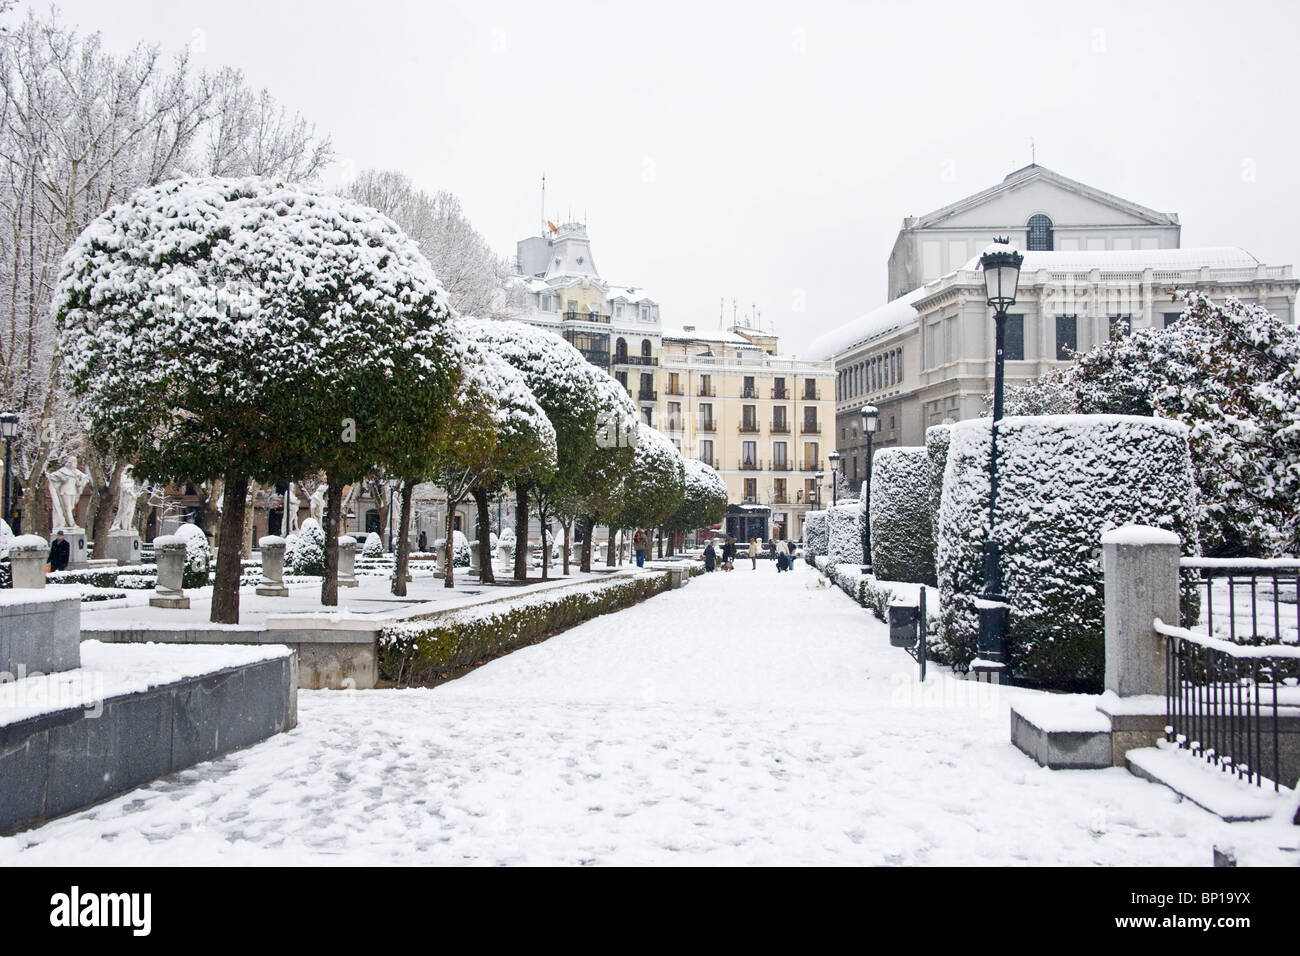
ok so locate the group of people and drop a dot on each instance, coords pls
(784, 555)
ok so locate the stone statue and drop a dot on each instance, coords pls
(124, 520)
(66, 485)
(318, 503)
(291, 513)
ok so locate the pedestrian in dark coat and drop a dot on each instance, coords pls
(710, 556)
(60, 552)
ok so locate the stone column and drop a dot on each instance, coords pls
(169, 552)
(272, 584)
(347, 562)
(1141, 574)
(27, 556)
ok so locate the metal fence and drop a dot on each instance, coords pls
(1233, 680)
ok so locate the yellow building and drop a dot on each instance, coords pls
(763, 421)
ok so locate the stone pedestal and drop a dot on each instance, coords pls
(27, 557)
(1141, 574)
(169, 553)
(474, 566)
(347, 562)
(38, 635)
(272, 583)
(78, 555)
(440, 557)
(505, 559)
(124, 546)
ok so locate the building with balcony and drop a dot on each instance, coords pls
(1095, 265)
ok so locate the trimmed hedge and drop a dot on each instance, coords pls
(815, 534)
(937, 438)
(428, 650)
(901, 540)
(844, 534)
(1063, 480)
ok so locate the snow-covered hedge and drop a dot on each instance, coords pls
(459, 549)
(815, 535)
(844, 534)
(1063, 480)
(374, 546)
(435, 649)
(304, 551)
(936, 453)
(198, 555)
(900, 516)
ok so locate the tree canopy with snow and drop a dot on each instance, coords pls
(655, 485)
(1230, 373)
(704, 498)
(245, 329)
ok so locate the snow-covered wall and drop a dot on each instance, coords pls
(1063, 480)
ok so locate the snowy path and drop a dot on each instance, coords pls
(748, 718)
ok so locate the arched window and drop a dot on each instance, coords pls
(1040, 234)
(620, 351)
(645, 348)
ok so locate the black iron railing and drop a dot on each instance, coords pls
(1233, 689)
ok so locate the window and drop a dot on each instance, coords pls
(620, 351)
(810, 389)
(706, 385)
(1067, 337)
(622, 378)
(618, 310)
(778, 388)
(749, 391)
(647, 414)
(749, 418)
(1119, 326)
(648, 385)
(674, 415)
(810, 418)
(751, 489)
(1171, 318)
(645, 314)
(749, 454)
(778, 491)
(706, 451)
(1040, 234)
(645, 348)
(778, 455)
(1013, 342)
(706, 415)
(778, 418)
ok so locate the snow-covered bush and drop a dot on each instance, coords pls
(1063, 480)
(374, 546)
(844, 534)
(815, 535)
(900, 516)
(304, 552)
(198, 555)
(936, 454)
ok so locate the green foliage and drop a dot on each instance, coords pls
(425, 651)
(900, 516)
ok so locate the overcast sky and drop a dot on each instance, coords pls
(769, 151)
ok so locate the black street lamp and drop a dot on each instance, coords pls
(834, 459)
(8, 429)
(1001, 264)
(870, 422)
(820, 476)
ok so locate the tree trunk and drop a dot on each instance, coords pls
(225, 591)
(402, 561)
(485, 574)
(449, 547)
(104, 515)
(546, 544)
(584, 563)
(609, 550)
(329, 586)
(659, 540)
(521, 532)
(567, 524)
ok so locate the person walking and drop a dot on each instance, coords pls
(639, 542)
(60, 552)
(710, 557)
(728, 554)
(753, 553)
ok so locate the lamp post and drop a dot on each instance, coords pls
(1001, 264)
(8, 429)
(834, 459)
(870, 422)
(820, 476)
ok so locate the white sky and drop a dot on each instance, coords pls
(769, 151)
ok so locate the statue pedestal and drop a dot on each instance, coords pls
(78, 556)
(124, 546)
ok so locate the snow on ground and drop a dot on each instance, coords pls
(751, 717)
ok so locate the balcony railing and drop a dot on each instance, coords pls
(707, 459)
(781, 393)
(645, 360)
(707, 425)
(750, 464)
(781, 466)
(749, 393)
(704, 392)
(780, 499)
(596, 357)
(674, 390)
(812, 394)
(572, 316)
(810, 428)
(781, 428)
(749, 426)
(647, 395)
(813, 464)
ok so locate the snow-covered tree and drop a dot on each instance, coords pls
(704, 498)
(249, 330)
(655, 486)
(1229, 372)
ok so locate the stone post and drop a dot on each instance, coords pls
(272, 584)
(124, 546)
(169, 552)
(347, 562)
(439, 557)
(27, 557)
(474, 566)
(1141, 580)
